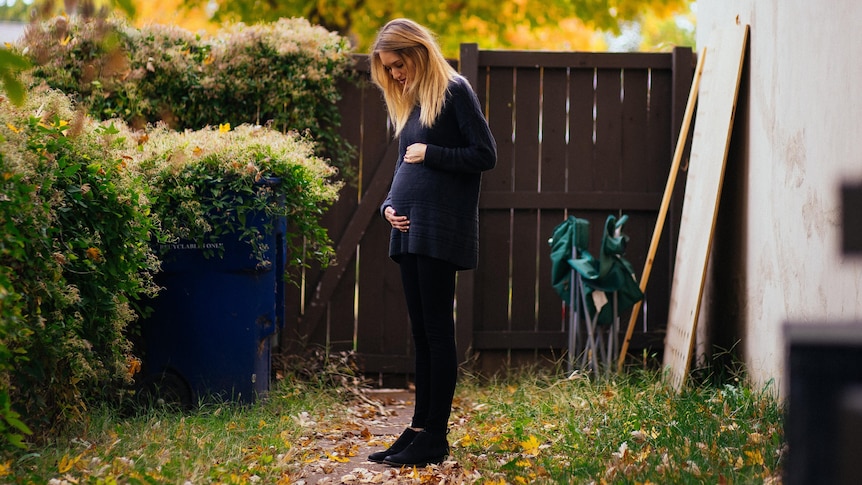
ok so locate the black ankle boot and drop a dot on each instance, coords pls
(425, 449)
(400, 444)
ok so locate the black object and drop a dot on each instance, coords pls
(823, 425)
(851, 219)
(426, 449)
(400, 444)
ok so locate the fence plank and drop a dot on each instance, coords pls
(590, 60)
(610, 200)
(554, 148)
(554, 178)
(606, 168)
(634, 146)
(660, 154)
(581, 157)
(492, 290)
(524, 222)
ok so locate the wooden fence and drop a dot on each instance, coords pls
(584, 134)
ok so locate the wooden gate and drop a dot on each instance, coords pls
(584, 134)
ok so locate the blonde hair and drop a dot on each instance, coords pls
(432, 73)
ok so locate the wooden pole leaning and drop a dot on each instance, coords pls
(665, 203)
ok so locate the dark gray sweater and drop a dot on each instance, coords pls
(440, 196)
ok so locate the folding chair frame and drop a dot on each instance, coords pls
(594, 350)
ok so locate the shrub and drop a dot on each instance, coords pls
(284, 74)
(74, 257)
(83, 203)
(207, 183)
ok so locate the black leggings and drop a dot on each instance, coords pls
(429, 286)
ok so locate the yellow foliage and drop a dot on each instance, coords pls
(466, 440)
(518, 24)
(531, 446)
(339, 459)
(66, 463)
(753, 457)
(173, 12)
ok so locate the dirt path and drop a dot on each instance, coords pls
(377, 421)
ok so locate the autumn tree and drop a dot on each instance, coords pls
(24, 10)
(520, 24)
(514, 24)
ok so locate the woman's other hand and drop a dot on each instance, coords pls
(400, 223)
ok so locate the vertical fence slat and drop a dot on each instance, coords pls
(465, 290)
(525, 221)
(555, 99)
(581, 148)
(337, 328)
(492, 277)
(608, 130)
(635, 171)
(526, 179)
(660, 156)
(555, 93)
(658, 127)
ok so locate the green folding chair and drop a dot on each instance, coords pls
(594, 290)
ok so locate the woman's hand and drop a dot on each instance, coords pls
(400, 223)
(415, 153)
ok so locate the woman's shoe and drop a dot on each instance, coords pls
(426, 449)
(400, 444)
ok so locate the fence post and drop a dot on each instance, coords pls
(469, 63)
(464, 314)
(683, 62)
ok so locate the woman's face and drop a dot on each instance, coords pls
(400, 68)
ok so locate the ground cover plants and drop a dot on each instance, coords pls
(535, 427)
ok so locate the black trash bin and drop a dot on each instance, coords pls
(211, 326)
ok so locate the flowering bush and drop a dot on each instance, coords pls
(282, 74)
(74, 258)
(81, 204)
(208, 183)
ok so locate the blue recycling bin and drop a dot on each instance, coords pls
(211, 326)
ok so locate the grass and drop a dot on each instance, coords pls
(534, 427)
(631, 429)
(214, 443)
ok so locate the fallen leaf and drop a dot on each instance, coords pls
(531, 446)
(67, 463)
(754, 457)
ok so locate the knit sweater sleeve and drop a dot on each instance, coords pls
(480, 154)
